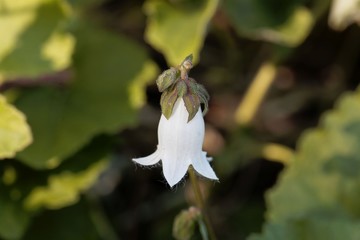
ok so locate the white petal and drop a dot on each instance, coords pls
(176, 134)
(174, 168)
(180, 145)
(208, 158)
(149, 160)
(202, 166)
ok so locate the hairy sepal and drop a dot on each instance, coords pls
(192, 104)
(167, 79)
(167, 101)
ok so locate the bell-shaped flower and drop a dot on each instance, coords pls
(180, 145)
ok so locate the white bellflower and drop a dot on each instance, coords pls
(180, 144)
(181, 128)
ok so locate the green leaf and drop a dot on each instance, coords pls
(344, 13)
(34, 41)
(323, 182)
(285, 22)
(25, 193)
(13, 218)
(326, 227)
(179, 28)
(64, 189)
(75, 222)
(18, 22)
(63, 120)
(15, 133)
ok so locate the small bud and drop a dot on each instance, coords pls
(167, 78)
(187, 63)
(184, 224)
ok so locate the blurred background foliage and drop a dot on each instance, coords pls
(78, 100)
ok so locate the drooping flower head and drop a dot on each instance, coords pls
(181, 128)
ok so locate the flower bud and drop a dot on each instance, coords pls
(187, 63)
(184, 224)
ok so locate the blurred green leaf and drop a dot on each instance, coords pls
(98, 101)
(244, 146)
(33, 39)
(64, 189)
(23, 189)
(75, 222)
(343, 13)
(283, 22)
(15, 133)
(317, 228)
(322, 183)
(13, 218)
(178, 29)
(14, 23)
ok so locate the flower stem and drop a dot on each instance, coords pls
(200, 202)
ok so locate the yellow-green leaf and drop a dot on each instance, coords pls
(64, 189)
(137, 86)
(103, 97)
(286, 23)
(15, 133)
(178, 29)
(33, 39)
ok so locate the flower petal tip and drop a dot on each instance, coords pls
(149, 160)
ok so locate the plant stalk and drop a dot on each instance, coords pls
(200, 202)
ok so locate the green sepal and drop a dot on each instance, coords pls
(181, 88)
(201, 92)
(204, 97)
(204, 101)
(174, 83)
(192, 104)
(192, 85)
(167, 101)
(167, 78)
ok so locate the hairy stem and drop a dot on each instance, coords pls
(200, 203)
